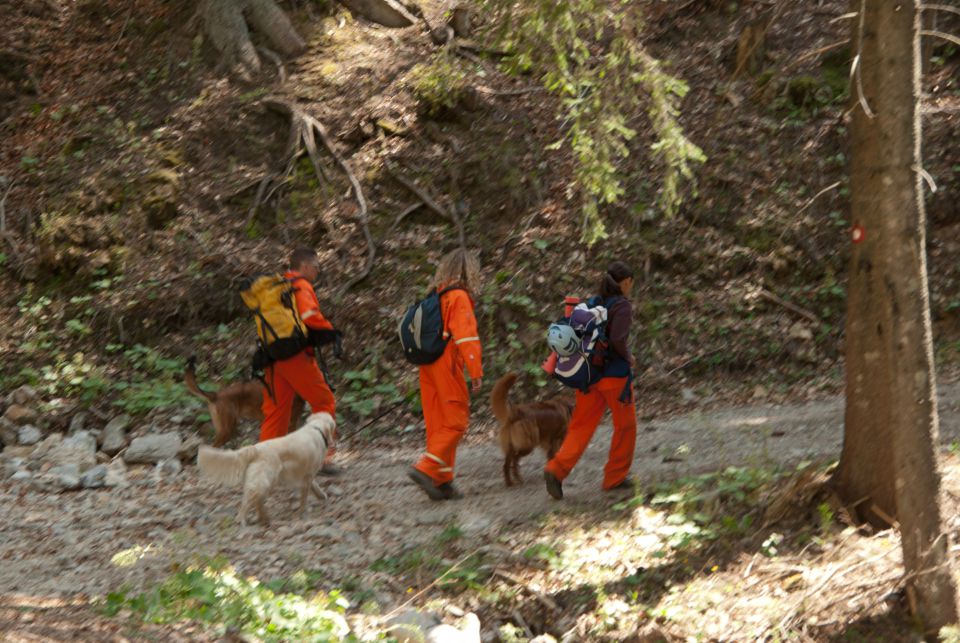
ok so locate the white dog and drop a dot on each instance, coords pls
(292, 460)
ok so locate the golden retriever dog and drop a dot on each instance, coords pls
(524, 427)
(292, 460)
(232, 403)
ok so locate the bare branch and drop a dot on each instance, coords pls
(450, 215)
(940, 7)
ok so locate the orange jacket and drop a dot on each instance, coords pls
(307, 303)
(460, 326)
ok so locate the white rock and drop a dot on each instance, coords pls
(65, 476)
(29, 435)
(470, 633)
(78, 422)
(150, 449)
(411, 626)
(688, 394)
(79, 448)
(22, 476)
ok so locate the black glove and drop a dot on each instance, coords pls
(338, 345)
(322, 337)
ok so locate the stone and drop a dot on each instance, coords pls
(411, 626)
(22, 476)
(113, 437)
(153, 448)
(94, 478)
(28, 435)
(168, 468)
(10, 466)
(20, 415)
(688, 394)
(79, 448)
(65, 477)
(388, 13)
(116, 475)
(22, 395)
(78, 422)
(469, 633)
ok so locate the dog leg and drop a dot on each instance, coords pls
(506, 468)
(262, 516)
(317, 491)
(304, 490)
(242, 514)
(516, 471)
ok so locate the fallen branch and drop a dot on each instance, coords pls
(818, 195)
(428, 201)
(410, 209)
(545, 600)
(803, 312)
(940, 7)
(939, 34)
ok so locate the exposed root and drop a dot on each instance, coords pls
(449, 215)
(305, 129)
(225, 21)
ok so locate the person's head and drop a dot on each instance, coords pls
(458, 267)
(304, 260)
(617, 280)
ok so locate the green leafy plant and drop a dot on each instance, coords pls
(439, 84)
(216, 595)
(589, 54)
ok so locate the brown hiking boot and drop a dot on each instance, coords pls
(425, 482)
(554, 485)
(624, 485)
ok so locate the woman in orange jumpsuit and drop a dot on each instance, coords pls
(298, 375)
(613, 390)
(443, 389)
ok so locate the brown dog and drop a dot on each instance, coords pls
(229, 405)
(524, 427)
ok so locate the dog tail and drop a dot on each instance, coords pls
(190, 379)
(224, 466)
(498, 397)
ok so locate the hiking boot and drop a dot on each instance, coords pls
(624, 485)
(330, 469)
(450, 492)
(554, 486)
(425, 482)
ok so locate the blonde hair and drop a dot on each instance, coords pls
(460, 267)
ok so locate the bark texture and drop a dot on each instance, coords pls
(889, 457)
(225, 21)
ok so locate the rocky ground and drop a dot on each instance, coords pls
(68, 536)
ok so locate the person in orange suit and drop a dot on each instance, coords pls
(443, 389)
(298, 375)
(613, 390)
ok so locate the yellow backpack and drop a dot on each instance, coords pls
(281, 333)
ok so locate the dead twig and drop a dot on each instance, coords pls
(818, 195)
(431, 203)
(545, 600)
(940, 7)
(407, 211)
(803, 312)
(123, 29)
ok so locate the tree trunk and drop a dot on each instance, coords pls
(226, 25)
(889, 457)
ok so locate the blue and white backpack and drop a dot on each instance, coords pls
(580, 363)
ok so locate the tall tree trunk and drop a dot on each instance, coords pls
(891, 435)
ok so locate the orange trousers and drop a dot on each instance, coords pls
(583, 423)
(446, 412)
(298, 375)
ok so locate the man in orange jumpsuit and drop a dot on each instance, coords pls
(443, 389)
(298, 375)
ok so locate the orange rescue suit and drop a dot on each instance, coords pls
(443, 390)
(298, 375)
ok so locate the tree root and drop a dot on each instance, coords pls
(305, 129)
(225, 21)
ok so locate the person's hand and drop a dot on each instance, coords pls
(476, 384)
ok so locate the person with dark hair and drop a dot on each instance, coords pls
(300, 374)
(613, 390)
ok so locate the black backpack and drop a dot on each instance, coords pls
(421, 329)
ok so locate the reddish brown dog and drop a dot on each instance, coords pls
(524, 427)
(229, 405)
